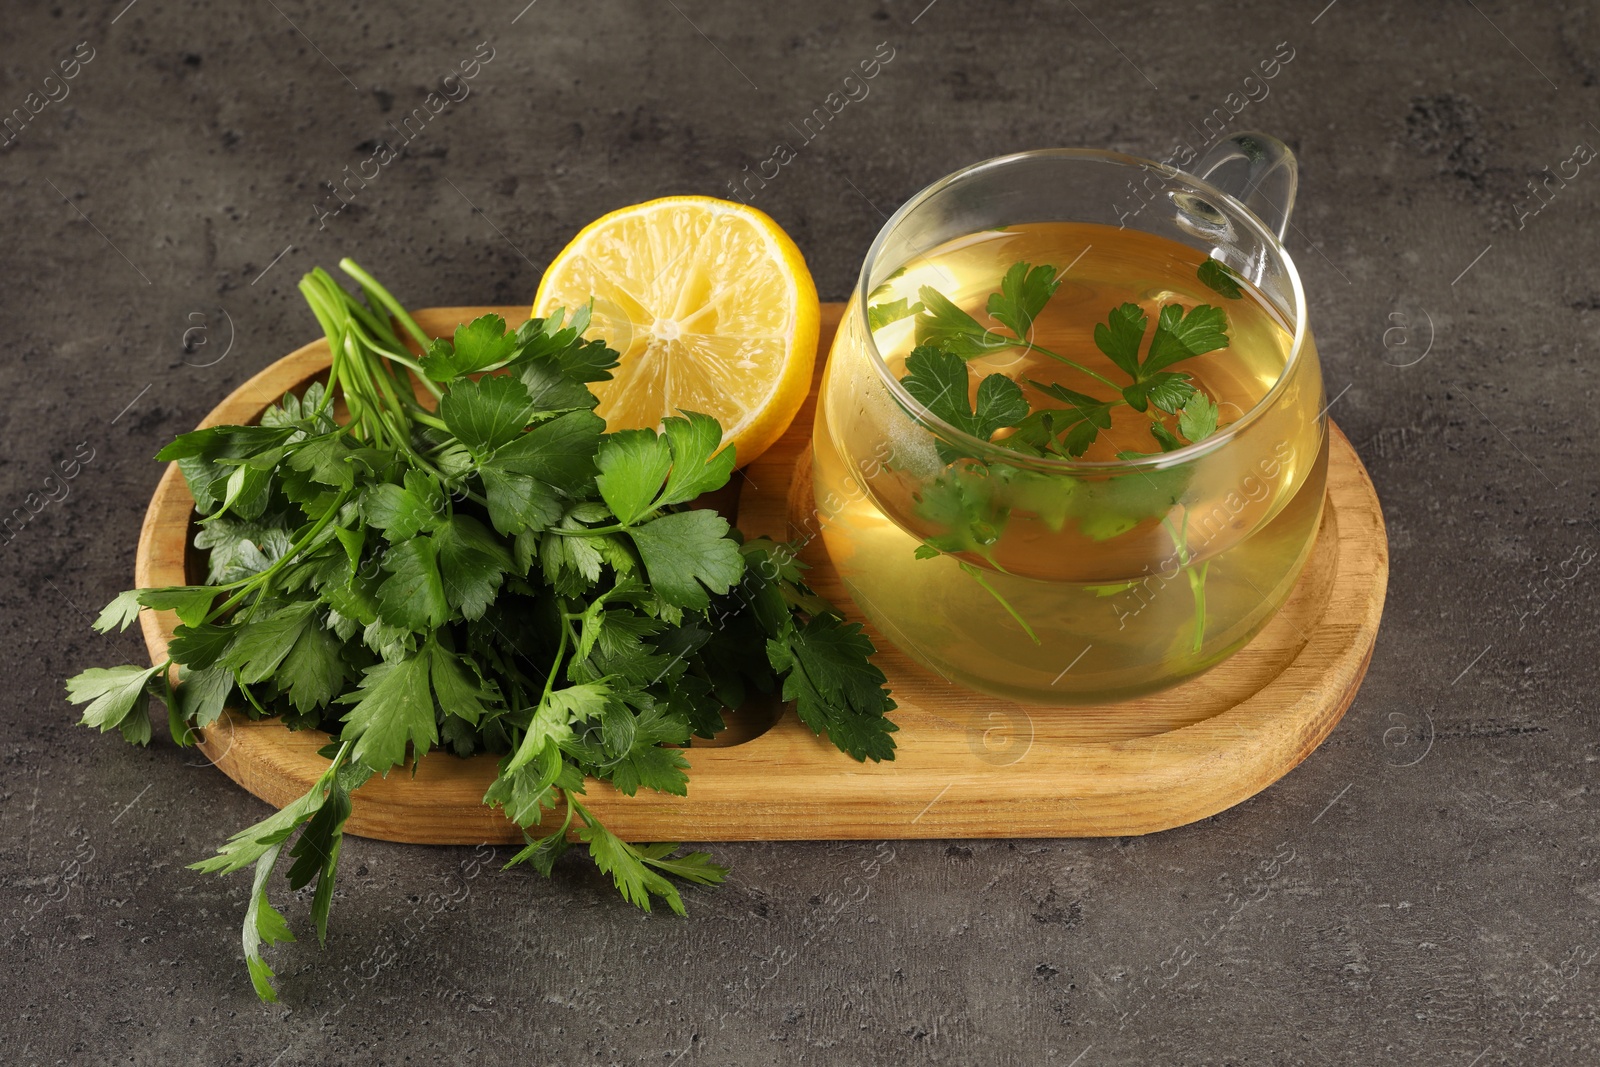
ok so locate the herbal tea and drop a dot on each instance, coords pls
(1039, 543)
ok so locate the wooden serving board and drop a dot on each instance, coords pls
(967, 766)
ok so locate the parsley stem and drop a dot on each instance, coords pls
(393, 416)
(1179, 540)
(331, 388)
(583, 812)
(416, 371)
(359, 312)
(390, 304)
(337, 761)
(1031, 347)
(588, 531)
(251, 697)
(393, 355)
(555, 669)
(1197, 586)
(382, 384)
(317, 301)
(332, 327)
(331, 305)
(1197, 579)
(259, 581)
(976, 575)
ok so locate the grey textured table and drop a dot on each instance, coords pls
(1423, 890)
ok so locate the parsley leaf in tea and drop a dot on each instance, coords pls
(1219, 277)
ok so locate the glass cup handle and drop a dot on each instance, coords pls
(1259, 171)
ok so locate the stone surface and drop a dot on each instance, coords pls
(1423, 890)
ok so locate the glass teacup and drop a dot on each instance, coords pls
(1134, 477)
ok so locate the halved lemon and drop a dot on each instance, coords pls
(711, 307)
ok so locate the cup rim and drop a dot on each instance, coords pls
(1156, 461)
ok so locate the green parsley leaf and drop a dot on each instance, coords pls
(240, 549)
(459, 689)
(487, 413)
(321, 812)
(559, 452)
(257, 649)
(1120, 336)
(198, 647)
(519, 502)
(543, 852)
(1082, 419)
(635, 881)
(687, 553)
(1078, 404)
(263, 924)
(646, 764)
(587, 361)
(631, 866)
(551, 723)
(570, 564)
(1000, 404)
(1221, 278)
(697, 466)
(393, 708)
(633, 464)
(325, 459)
(120, 613)
(549, 338)
(1110, 508)
(1165, 437)
(1167, 390)
(836, 688)
(1199, 418)
(207, 458)
(1078, 439)
(944, 325)
(1024, 292)
(191, 602)
(472, 565)
(526, 794)
(225, 443)
(938, 380)
(316, 851)
(1181, 335)
(693, 867)
(402, 513)
(552, 389)
(413, 595)
(252, 843)
(202, 695)
(314, 671)
(881, 315)
(114, 694)
(962, 502)
(479, 345)
(245, 493)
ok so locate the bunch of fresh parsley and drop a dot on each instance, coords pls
(470, 561)
(972, 500)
